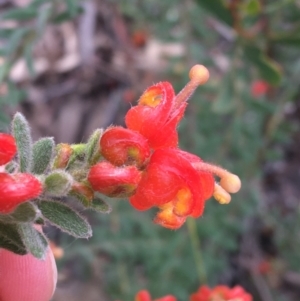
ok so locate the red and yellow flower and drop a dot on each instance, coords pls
(145, 164)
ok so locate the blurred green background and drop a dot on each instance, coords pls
(71, 66)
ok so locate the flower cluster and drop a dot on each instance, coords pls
(18, 187)
(204, 293)
(221, 293)
(143, 161)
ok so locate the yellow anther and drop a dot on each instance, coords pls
(221, 196)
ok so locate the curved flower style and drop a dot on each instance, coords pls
(114, 181)
(122, 146)
(16, 189)
(172, 183)
(144, 295)
(8, 148)
(221, 293)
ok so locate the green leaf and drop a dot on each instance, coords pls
(42, 152)
(10, 239)
(224, 101)
(15, 40)
(6, 33)
(43, 17)
(24, 213)
(22, 135)
(65, 218)
(100, 206)
(73, 8)
(291, 39)
(20, 14)
(11, 167)
(93, 147)
(58, 183)
(29, 58)
(4, 70)
(35, 242)
(268, 69)
(253, 7)
(218, 9)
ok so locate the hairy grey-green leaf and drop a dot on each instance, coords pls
(22, 135)
(34, 241)
(65, 218)
(42, 152)
(10, 239)
(100, 206)
(93, 147)
(58, 183)
(24, 213)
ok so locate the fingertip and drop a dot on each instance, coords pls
(27, 278)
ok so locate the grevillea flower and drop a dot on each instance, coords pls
(156, 172)
(8, 148)
(171, 183)
(221, 293)
(16, 189)
(114, 181)
(122, 146)
(159, 111)
(145, 296)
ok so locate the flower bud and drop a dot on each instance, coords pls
(63, 154)
(58, 183)
(8, 148)
(114, 181)
(122, 146)
(83, 192)
(16, 189)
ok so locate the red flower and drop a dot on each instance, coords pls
(142, 296)
(145, 296)
(221, 293)
(259, 88)
(158, 111)
(171, 183)
(8, 148)
(114, 181)
(122, 146)
(16, 189)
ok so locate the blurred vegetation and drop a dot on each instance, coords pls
(241, 42)
(18, 41)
